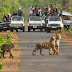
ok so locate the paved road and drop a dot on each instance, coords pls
(46, 63)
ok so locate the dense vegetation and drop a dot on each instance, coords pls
(1, 65)
(61, 4)
(9, 6)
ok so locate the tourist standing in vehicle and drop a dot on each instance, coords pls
(34, 13)
(40, 12)
(19, 12)
(31, 10)
(46, 20)
(9, 18)
(14, 14)
(52, 11)
(36, 10)
(5, 18)
(49, 9)
(56, 13)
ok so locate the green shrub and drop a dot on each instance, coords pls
(16, 44)
(70, 31)
(1, 65)
(65, 29)
(58, 31)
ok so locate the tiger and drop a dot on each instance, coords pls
(45, 45)
(8, 48)
(57, 43)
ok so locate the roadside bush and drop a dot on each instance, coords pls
(58, 31)
(70, 31)
(65, 29)
(1, 65)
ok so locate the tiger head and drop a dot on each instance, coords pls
(58, 36)
(52, 39)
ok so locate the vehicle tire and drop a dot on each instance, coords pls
(33, 29)
(41, 30)
(4, 30)
(1, 30)
(68, 26)
(11, 30)
(16, 30)
(45, 29)
(48, 30)
(28, 29)
(23, 29)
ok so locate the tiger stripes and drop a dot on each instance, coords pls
(44, 44)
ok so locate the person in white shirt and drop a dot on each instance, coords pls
(49, 9)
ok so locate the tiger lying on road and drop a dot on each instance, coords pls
(45, 45)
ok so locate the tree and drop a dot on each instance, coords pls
(8, 6)
(65, 4)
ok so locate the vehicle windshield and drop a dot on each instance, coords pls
(67, 18)
(17, 19)
(54, 19)
(35, 18)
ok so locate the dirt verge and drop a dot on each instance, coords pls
(67, 38)
(11, 65)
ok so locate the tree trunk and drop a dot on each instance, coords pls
(65, 5)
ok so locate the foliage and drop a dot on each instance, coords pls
(58, 31)
(1, 65)
(39, 3)
(70, 31)
(8, 6)
(65, 29)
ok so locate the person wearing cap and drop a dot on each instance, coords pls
(9, 18)
(20, 12)
(5, 18)
(14, 14)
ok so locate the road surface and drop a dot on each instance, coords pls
(46, 63)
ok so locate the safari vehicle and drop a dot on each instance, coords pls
(54, 23)
(35, 22)
(17, 22)
(4, 26)
(67, 19)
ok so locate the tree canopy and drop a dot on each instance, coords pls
(8, 6)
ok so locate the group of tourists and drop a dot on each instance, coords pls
(7, 18)
(36, 11)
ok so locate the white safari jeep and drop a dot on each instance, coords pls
(35, 22)
(54, 23)
(17, 22)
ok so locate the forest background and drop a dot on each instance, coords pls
(10, 6)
